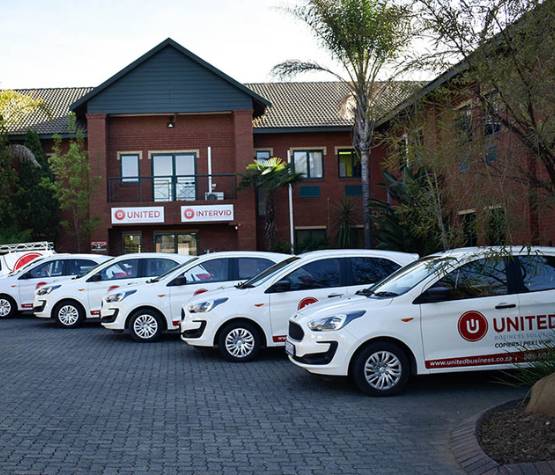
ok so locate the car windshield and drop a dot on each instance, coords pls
(408, 277)
(95, 269)
(171, 271)
(259, 279)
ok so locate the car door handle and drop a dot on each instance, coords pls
(330, 296)
(505, 305)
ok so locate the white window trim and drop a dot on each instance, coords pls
(131, 152)
(173, 152)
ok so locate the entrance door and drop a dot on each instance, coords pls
(178, 243)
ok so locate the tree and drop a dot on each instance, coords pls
(267, 177)
(73, 185)
(366, 38)
(504, 50)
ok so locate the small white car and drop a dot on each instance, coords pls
(71, 302)
(463, 310)
(151, 308)
(240, 321)
(17, 289)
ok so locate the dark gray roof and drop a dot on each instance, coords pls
(54, 120)
(295, 105)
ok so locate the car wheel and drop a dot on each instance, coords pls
(8, 307)
(145, 326)
(381, 369)
(239, 342)
(68, 314)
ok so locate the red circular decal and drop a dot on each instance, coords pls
(188, 213)
(25, 259)
(306, 301)
(473, 326)
(119, 214)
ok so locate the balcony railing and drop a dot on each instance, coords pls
(222, 186)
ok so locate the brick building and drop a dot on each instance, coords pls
(168, 134)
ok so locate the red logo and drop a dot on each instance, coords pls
(119, 214)
(25, 259)
(188, 213)
(473, 326)
(306, 301)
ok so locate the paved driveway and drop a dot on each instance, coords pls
(88, 400)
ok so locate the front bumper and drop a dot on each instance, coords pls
(42, 306)
(196, 330)
(112, 316)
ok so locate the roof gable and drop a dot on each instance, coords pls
(169, 78)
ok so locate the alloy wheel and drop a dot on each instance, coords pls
(145, 326)
(68, 315)
(239, 342)
(382, 370)
(5, 307)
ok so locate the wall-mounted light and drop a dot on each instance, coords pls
(171, 122)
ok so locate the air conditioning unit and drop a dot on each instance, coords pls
(214, 195)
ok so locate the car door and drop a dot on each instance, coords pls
(364, 272)
(40, 275)
(208, 275)
(536, 297)
(316, 281)
(120, 273)
(459, 329)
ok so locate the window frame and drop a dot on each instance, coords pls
(338, 151)
(308, 151)
(193, 233)
(152, 154)
(132, 233)
(126, 154)
(269, 150)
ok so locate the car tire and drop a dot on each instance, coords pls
(381, 369)
(68, 314)
(8, 306)
(239, 342)
(145, 326)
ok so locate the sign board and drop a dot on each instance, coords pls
(99, 246)
(206, 213)
(142, 215)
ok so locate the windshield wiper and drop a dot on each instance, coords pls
(153, 280)
(386, 293)
(244, 285)
(366, 292)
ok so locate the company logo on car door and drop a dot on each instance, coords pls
(473, 326)
(306, 301)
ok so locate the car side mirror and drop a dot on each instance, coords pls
(434, 295)
(178, 281)
(282, 285)
(94, 278)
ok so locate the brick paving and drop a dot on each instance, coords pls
(90, 401)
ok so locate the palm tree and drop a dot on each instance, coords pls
(364, 37)
(268, 176)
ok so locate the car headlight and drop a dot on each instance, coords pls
(47, 289)
(119, 296)
(334, 322)
(206, 306)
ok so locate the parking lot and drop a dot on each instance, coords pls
(88, 400)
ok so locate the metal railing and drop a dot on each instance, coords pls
(215, 187)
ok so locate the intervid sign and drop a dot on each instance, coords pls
(207, 213)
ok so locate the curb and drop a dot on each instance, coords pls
(473, 460)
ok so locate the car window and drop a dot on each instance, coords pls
(216, 270)
(480, 278)
(78, 266)
(538, 272)
(127, 269)
(157, 266)
(316, 275)
(248, 267)
(369, 270)
(47, 269)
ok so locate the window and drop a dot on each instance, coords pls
(310, 163)
(127, 269)
(491, 154)
(310, 239)
(537, 272)
(349, 164)
(464, 123)
(316, 275)
(497, 226)
(248, 267)
(468, 221)
(179, 243)
(216, 270)
(47, 269)
(157, 267)
(131, 242)
(79, 266)
(262, 154)
(492, 125)
(369, 270)
(129, 167)
(174, 176)
(480, 278)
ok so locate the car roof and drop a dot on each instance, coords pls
(68, 255)
(463, 252)
(359, 252)
(145, 255)
(274, 255)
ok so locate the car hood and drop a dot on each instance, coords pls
(227, 292)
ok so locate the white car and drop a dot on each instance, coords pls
(149, 309)
(240, 321)
(17, 289)
(463, 310)
(71, 302)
